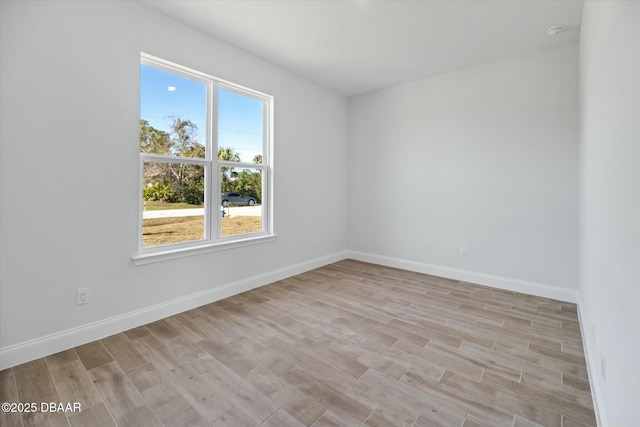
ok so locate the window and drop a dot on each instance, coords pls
(205, 174)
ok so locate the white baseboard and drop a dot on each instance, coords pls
(516, 285)
(43, 346)
(593, 366)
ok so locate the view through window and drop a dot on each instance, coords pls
(204, 150)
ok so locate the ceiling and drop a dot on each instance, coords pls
(356, 46)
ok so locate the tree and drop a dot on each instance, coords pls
(249, 183)
(153, 140)
(184, 138)
(177, 181)
(227, 176)
(184, 143)
(228, 154)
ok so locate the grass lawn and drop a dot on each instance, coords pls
(160, 206)
(163, 231)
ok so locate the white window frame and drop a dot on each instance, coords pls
(212, 241)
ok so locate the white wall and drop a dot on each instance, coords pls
(69, 174)
(484, 158)
(610, 205)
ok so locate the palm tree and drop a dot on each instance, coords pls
(227, 154)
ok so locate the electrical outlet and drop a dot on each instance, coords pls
(82, 296)
(463, 253)
(603, 368)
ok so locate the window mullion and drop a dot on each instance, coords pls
(240, 165)
(163, 158)
(214, 181)
(267, 161)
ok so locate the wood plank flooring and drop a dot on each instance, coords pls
(349, 344)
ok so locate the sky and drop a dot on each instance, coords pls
(164, 95)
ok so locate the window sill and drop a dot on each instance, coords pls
(169, 254)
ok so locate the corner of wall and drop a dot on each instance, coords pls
(587, 332)
(507, 283)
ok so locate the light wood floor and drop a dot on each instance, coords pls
(348, 344)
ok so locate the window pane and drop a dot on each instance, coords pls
(172, 114)
(173, 200)
(240, 127)
(241, 201)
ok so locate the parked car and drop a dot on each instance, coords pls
(237, 199)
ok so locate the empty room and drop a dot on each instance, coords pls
(421, 213)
